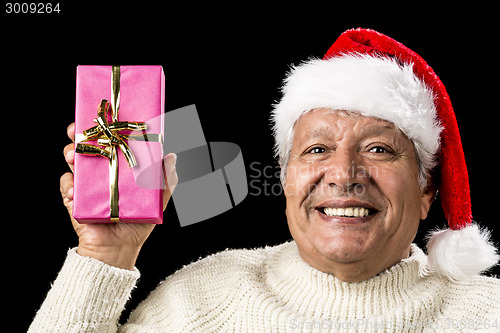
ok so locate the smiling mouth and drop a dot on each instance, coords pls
(346, 212)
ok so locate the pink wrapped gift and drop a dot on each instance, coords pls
(118, 140)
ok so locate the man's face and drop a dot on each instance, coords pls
(352, 194)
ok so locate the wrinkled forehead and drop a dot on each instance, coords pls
(328, 123)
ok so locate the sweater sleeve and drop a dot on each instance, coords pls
(87, 296)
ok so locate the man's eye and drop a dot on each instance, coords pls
(378, 150)
(317, 150)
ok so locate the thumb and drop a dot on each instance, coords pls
(169, 176)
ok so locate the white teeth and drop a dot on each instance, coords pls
(348, 211)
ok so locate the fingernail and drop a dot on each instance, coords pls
(69, 195)
(171, 159)
(174, 161)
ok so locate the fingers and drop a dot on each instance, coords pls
(69, 150)
(71, 131)
(69, 155)
(66, 186)
(66, 180)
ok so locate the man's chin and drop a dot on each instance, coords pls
(345, 243)
(346, 250)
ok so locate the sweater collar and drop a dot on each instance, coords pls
(312, 291)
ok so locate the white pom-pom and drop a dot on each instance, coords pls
(461, 254)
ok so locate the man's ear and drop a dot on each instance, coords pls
(428, 195)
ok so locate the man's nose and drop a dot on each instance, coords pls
(345, 172)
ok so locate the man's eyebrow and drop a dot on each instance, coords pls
(382, 127)
(374, 129)
(320, 132)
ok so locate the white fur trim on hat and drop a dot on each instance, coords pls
(463, 253)
(372, 86)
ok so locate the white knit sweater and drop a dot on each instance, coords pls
(268, 290)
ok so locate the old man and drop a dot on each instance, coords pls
(365, 138)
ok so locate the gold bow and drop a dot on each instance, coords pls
(107, 134)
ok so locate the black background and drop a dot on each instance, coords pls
(229, 60)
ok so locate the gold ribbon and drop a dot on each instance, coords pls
(108, 138)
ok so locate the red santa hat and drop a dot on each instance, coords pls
(369, 73)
